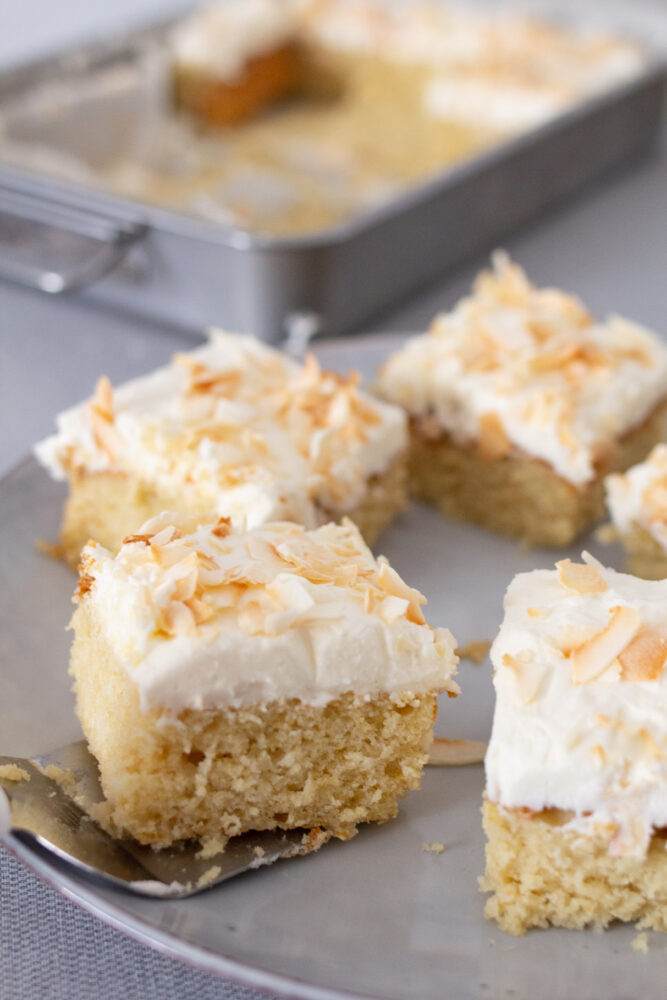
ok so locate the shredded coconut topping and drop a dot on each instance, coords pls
(514, 367)
(183, 601)
(581, 712)
(237, 428)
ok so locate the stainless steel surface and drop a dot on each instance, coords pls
(377, 916)
(196, 273)
(47, 816)
(58, 249)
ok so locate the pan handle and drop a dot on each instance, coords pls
(33, 229)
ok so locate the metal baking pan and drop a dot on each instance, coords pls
(61, 236)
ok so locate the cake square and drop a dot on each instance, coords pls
(231, 680)
(575, 809)
(520, 403)
(637, 504)
(234, 428)
(232, 60)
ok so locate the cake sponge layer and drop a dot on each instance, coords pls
(516, 495)
(222, 772)
(541, 873)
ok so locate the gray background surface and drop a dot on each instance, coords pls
(609, 246)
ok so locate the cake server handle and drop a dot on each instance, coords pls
(44, 803)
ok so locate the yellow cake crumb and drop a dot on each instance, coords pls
(210, 875)
(210, 846)
(61, 776)
(12, 772)
(640, 943)
(435, 848)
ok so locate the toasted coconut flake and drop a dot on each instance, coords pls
(158, 523)
(476, 650)
(103, 398)
(346, 575)
(454, 753)
(223, 527)
(182, 577)
(389, 580)
(85, 584)
(643, 659)
(137, 539)
(105, 434)
(176, 619)
(571, 636)
(580, 577)
(201, 611)
(593, 657)
(493, 442)
(252, 617)
(391, 609)
(166, 535)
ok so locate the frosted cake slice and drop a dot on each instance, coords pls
(575, 811)
(520, 403)
(231, 60)
(234, 428)
(274, 678)
(637, 503)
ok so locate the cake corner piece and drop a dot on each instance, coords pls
(234, 428)
(637, 505)
(575, 808)
(232, 680)
(519, 404)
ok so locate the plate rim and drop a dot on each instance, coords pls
(166, 943)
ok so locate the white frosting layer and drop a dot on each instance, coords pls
(239, 429)
(580, 723)
(502, 105)
(639, 497)
(221, 38)
(532, 370)
(213, 618)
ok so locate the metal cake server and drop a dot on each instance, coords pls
(43, 815)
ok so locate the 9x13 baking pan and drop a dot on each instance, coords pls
(62, 235)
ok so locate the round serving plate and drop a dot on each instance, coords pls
(377, 916)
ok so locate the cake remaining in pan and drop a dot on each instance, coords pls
(575, 811)
(637, 503)
(233, 428)
(250, 680)
(519, 404)
(231, 60)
